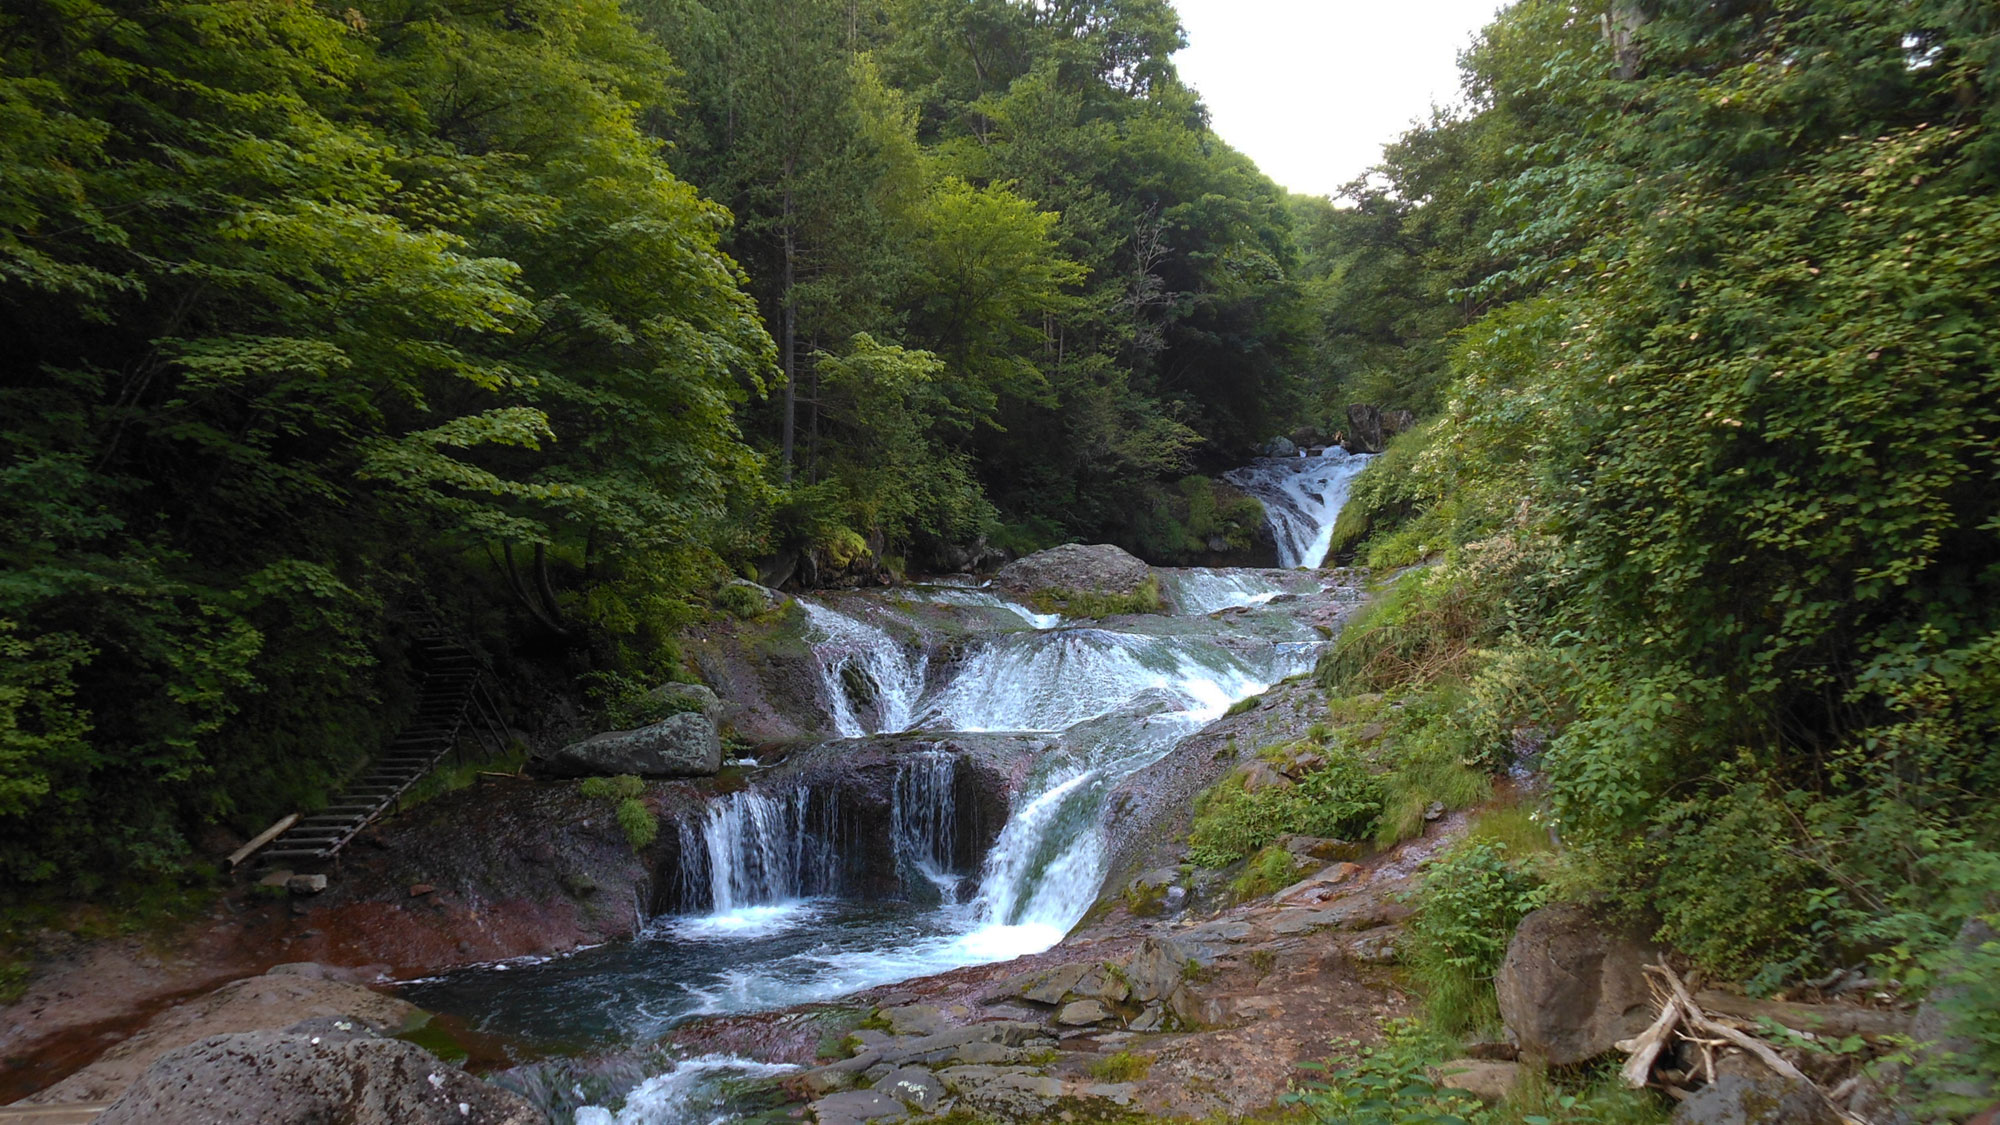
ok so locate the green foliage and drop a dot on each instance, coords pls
(1145, 598)
(1717, 341)
(623, 787)
(1339, 800)
(311, 309)
(1123, 1066)
(739, 601)
(626, 794)
(1471, 898)
(1272, 869)
(1387, 1084)
(1399, 1082)
(640, 824)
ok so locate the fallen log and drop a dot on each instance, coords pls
(260, 839)
(1819, 1019)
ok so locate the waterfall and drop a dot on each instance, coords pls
(861, 664)
(791, 893)
(756, 849)
(1050, 681)
(923, 820)
(1302, 497)
(978, 597)
(1201, 592)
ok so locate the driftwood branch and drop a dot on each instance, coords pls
(1645, 1047)
(1678, 1011)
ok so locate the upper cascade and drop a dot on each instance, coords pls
(1302, 498)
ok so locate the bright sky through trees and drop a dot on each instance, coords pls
(1312, 89)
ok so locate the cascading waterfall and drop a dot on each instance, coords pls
(1052, 682)
(1200, 592)
(757, 849)
(980, 598)
(764, 924)
(923, 820)
(1302, 498)
(858, 659)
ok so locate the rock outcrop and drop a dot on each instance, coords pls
(1571, 987)
(328, 1069)
(683, 745)
(280, 998)
(1098, 569)
(1369, 428)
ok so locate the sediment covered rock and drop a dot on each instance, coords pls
(281, 998)
(330, 1069)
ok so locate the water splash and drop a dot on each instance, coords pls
(1302, 497)
(695, 1092)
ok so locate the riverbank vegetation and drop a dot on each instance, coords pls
(1708, 350)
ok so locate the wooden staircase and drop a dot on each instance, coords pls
(453, 701)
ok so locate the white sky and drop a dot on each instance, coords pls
(1312, 89)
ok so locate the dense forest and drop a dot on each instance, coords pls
(553, 316)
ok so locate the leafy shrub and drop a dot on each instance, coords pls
(1123, 1066)
(1271, 869)
(1471, 899)
(739, 601)
(1387, 1084)
(640, 825)
(1340, 799)
(623, 787)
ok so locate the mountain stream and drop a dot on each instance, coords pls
(768, 918)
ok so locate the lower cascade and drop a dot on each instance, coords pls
(805, 886)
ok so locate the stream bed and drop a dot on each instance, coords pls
(769, 917)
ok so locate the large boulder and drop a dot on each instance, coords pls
(1945, 1043)
(281, 998)
(1364, 429)
(325, 1071)
(1763, 1099)
(678, 697)
(1571, 987)
(683, 745)
(1099, 568)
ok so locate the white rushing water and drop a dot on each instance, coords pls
(693, 1091)
(766, 918)
(861, 664)
(1200, 592)
(1302, 498)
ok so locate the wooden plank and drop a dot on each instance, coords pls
(260, 839)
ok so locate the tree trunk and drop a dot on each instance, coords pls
(790, 316)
